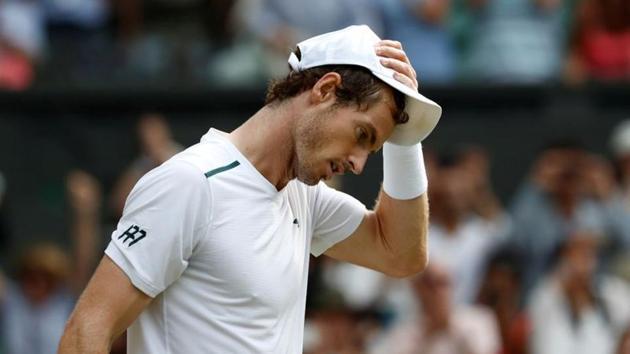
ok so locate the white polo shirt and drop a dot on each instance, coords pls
(224, 254)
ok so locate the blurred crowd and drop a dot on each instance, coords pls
(245, 42)
(549, 273)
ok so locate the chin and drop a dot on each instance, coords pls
(308, 179)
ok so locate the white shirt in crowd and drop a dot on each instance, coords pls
(472, 330)
(597, 331)
(465, 251)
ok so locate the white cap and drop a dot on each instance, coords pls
(354, 45)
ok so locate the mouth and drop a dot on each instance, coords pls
(337, 168)
(330, 171)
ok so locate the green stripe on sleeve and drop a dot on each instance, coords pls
(221, 169)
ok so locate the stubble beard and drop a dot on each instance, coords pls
(309, 138)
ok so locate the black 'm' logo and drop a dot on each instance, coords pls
(133, 234)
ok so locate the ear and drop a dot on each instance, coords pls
(324, 89)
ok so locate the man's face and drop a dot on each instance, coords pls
(454, 190)
(434, 288)
(580, 256)
(337, 139)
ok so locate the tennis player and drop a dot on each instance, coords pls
(211, 254)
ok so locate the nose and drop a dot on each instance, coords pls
(357, 161)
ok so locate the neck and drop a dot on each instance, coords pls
(266, 140)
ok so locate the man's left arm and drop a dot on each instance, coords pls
(391, 239)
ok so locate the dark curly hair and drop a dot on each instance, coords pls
(358, 86)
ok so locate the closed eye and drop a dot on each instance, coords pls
(362, 135)
(366, 136)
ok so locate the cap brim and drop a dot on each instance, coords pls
(424, 114)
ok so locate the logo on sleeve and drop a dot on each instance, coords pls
(132, 235)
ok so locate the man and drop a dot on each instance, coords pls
(211, 254)
(441, 326)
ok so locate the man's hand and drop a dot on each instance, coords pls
(394, 57)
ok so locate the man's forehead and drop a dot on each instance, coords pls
(385, 111)
(389, 98)
(379, 128)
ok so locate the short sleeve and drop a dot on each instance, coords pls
(165, 216)
(336, 215)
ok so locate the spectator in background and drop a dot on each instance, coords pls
(619, 200)
(568, 188)
(421, 26)
(3, 247)
(462, 232)
(515, 41)
(338, 329)
(22, 41)
(549, 204)
(4, 232)
(278, 24)
(86, 14)
(3, 346)
(620, 146)
(442, 327)
(475, 165)
(170, 41)
(80, 48)
(501, 291)
(3, 240)
(156, 146)
(600, 45)
(624, 343)
(573, 311)
(85, 199)
(35, 306)
(601, 186)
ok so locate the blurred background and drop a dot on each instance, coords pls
(529, 168)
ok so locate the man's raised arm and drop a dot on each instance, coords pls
(393, 238)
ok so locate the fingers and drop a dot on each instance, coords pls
(391, 49)
(395, 58)
(390, 43)
(406, 80)
(403, 72)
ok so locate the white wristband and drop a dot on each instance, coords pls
(404, 174)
